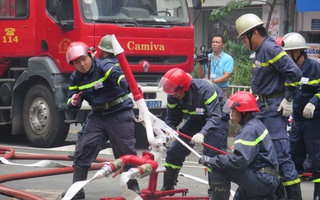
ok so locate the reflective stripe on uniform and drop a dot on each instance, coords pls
(210, 100)
(293, 182)
(90, 85)
(253, 143)
(172, 166)
(273, 60)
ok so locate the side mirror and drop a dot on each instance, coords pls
(197, 4)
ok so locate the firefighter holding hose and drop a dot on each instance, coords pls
(253, 163)
(199, 100)
(102, 84)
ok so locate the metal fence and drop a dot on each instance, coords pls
(238, 88)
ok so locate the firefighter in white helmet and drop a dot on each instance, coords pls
(274, 77)
(304, 136)
(102, 84)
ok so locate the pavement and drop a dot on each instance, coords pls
(50, 187)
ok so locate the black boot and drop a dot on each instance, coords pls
(280, 193)
(134, 186)
(220, 190)
(210, 189)
(79, 174)
(170, 178)
(294, 192)
(316, 192)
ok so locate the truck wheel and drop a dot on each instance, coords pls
(43, 122)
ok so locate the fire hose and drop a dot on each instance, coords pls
(149, 163)
(145, 166)
(9, 153)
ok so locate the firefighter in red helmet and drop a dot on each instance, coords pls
(202, 102)
(253, 163)
(102, 84)
(279, 41)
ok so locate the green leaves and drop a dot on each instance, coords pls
(221, 12)
(242, 63)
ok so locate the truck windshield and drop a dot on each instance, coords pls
(136, 12)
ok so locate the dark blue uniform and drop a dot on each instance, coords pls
(106, 90)
(274, 76)
(201, 105)
(247, 166)
(304, 136)
(221, 132)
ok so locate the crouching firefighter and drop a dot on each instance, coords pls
(253, 163)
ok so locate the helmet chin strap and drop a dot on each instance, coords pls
(294, 58)
(249, 36)
(244, 118)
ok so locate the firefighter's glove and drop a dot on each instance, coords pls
(197, 138)
(286, 107)
(76, 98)
(308, 110)
(204, 160)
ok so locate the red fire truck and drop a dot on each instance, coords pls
(156, 35)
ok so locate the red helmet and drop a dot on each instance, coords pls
(242, 102)
(279, 41)
(175, 80)
(76, 50)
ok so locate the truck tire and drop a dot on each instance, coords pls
(43, 123)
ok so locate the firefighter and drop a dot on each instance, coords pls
(102, 84)
(304, 136)
(274, 77)
(222, 131)
(253, 163)
(198, 99)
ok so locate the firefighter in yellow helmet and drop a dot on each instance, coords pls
(274, 77)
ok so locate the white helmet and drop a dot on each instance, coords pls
(247, 22)
(292, 41)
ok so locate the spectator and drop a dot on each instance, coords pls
(221, 64)
(274, 77)
(253, 163)
(304, 136)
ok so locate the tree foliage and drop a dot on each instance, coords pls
(221, 12)
(242, 63)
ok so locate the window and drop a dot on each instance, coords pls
(13, 9)
(66, 10)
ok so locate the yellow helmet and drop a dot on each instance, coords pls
(292, 41)
(105, 44)
(247, 22)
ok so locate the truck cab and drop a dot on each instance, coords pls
(156, 36)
